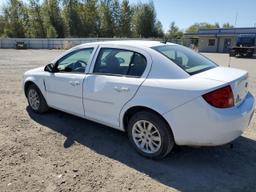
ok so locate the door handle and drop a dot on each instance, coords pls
(74, 83)
(121, 89)
(77, 82)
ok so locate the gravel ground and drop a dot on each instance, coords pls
(61, 152)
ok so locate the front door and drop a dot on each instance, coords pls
(65, 86)
(116, 77)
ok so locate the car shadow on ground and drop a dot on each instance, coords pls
(223, 168)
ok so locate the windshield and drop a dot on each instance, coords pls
(188, 60)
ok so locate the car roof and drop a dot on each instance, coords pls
(131, 43)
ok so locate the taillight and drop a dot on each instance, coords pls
(220, 98)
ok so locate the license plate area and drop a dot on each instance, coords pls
(240, 89)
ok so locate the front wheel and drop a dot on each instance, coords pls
(36, 100)
(150, 135)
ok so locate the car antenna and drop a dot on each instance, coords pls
(165, 40)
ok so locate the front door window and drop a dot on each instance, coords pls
(75, 62)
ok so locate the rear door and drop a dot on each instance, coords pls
(114, 79)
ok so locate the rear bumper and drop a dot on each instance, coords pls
(199, 124)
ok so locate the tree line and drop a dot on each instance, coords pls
(85, 18)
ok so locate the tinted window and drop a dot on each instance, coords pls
(188, 60)
(137, 65)
(120, 62)
(75, 61)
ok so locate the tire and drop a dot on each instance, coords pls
(232, 54)
(249, 54)
(36, 99)
(159, 130)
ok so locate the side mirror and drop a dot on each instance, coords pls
(49, 68)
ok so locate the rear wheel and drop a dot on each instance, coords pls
(150, 135)
(36, 100)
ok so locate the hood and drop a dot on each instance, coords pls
(34, 71)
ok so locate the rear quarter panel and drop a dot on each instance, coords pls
(164, 95)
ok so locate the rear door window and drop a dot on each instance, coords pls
(121, 62)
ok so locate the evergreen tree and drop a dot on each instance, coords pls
(159, 30)
(144, 20)
(125, 19)
(72, 19)
(174, 32)
(80, 18)
(105, 19)
(36, 24)
(116, 17)
(227, 25)
(51, 32)
(2, 25)
(88, 17)
(15, 18)
(52, 17)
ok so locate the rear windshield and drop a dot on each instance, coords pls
(185, 58)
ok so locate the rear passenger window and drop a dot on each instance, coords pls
(137, 66)
(120, 62)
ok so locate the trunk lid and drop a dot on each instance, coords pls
(236, 78)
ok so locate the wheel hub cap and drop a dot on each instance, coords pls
(33, 99)
(146, 136)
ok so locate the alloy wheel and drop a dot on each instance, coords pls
(33, 99)
(146, 136)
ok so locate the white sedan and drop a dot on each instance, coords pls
(161, 94)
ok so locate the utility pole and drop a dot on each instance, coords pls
(229, 60)
(236, 19)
